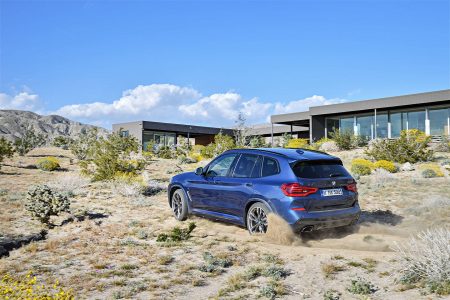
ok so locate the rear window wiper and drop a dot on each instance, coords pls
(336, 175)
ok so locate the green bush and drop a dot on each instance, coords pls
(28, 140)
(345, 140)
(411, 146)
(43, 202)
(257, 142)
(165, 152)
(177, 234)
(387, 165)
(360, 286)
(48, 164)
(62, 142)
(6, 149)
(111, 156)
(361, 166)
(221, 143)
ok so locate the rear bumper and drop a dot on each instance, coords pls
(327, 219)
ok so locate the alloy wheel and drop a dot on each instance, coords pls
(257, 220)
(177, 205)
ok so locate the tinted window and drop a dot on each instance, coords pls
(270, 167)
(245, 166)
(221, 165)
(319, 169)
(257, 169)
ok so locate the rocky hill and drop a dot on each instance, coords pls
(13, 122)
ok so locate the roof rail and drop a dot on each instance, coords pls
(262, 150)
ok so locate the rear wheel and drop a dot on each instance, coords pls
(257, 221)
(179, 205)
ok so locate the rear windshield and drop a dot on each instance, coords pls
(319, 169)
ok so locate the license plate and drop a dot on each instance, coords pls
(332, 192)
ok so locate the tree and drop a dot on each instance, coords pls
(62, 142)
(241, 131)
(81, 146)
(285, 138)
(6, 149)
(29, 140)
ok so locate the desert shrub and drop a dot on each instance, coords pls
(42, 202)
(380, 177)
(297, 143)
(431, 170)
(361, 286)
(426, 259)
(113, 156)
(6, 149)
(257, 142)
(28, 287)
(177, 234)
(151, 186)
(345, 140)
(165, 152)
(126, 188)
(387, 165)
(411, 146)
(443, 145)
(331, 295)
(221, 143)
(29, 140)
(361, 166)
(273, 289)
(213, 263)
(186, 160)
(83, 145)
(329, 146)
(69, 184)
(275, 272)
(48, 164)
(285, 138)
(62, 142)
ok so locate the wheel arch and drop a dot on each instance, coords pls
(253, 201)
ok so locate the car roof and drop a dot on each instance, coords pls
(290, 153)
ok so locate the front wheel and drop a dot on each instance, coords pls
(179, 205)
(257, 221)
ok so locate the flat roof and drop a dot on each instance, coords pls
(362, 105)
(267, 130)
(193, 130)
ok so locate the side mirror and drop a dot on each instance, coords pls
(199, 171)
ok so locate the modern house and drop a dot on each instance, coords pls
(167, 134)
(376, 118)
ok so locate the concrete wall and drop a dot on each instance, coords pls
(134, 129)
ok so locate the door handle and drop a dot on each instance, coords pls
(249, 184)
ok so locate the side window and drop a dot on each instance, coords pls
(257, 169)
(245, 166)
(221, 165)
(270, 167)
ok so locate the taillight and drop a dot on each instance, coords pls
(296, 190)
(351, 187)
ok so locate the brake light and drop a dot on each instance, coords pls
(351, 187)
(296, 190)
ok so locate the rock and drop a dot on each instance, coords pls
(407, 167)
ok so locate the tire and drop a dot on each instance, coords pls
(256, 219)
(179, 205)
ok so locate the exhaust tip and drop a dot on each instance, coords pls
(308, 228)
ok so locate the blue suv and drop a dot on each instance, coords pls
(310, 190)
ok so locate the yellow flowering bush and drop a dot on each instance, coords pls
(361, 166)
(28, 287)
(48, 164)
(297, 143)
(385, 164)
(431, 170)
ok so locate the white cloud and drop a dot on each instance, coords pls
(172, 104)
(24, 101)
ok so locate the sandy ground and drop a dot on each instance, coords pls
(114, 254)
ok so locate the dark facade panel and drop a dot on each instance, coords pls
(184, 129)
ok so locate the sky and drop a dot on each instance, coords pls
(203, 62)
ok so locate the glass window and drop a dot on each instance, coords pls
(257, 169)
(346, 124)
(364, 126)
(244, 167)
(320, 169)
(221, 165)
(270, 167)
(396, 124)
(147, 140)
(382, 125)
(125, 133)
(438, 121)
(332, 124)
(416, 120)
(170, 139)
